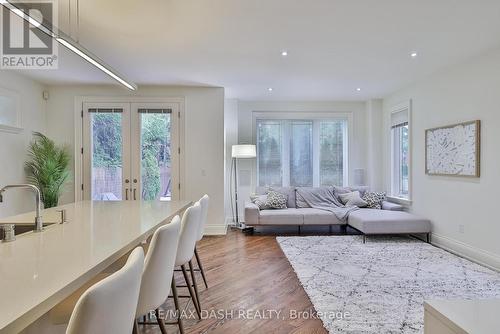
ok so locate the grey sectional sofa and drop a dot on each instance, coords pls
(390, 220)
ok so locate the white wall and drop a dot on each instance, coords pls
(13, 146)
(357, 144)
(374, 145)
(464, 92)
(204, 136)
(230, 139)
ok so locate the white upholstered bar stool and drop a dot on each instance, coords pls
(157, 277)
(204, 202)
(109, 306)
(185, 250)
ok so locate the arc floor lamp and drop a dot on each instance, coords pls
(239, 152)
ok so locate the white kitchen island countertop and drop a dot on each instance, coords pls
(462, 316)
(38, 270)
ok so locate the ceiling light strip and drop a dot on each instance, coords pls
(77, 49)
(73, 46)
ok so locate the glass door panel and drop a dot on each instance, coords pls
(105, 153)
(156, 155)
(131, 151)
(155, 151)
(107, 156)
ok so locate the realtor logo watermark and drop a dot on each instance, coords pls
(24, 45)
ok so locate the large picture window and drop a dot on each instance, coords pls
(301, 152)
(400, 155)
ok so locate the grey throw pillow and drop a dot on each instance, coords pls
(374, 199)
(260, 201)
(276, 200)
(352, 199)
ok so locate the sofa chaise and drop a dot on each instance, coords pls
(391, 219)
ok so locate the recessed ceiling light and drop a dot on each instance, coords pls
(284, 53)
(358, 89)
(270, 89)
(414, 54)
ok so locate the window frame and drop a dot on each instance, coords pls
(395, 185)
(316, 118)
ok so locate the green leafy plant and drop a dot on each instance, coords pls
(47, 168)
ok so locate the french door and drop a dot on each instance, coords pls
(130, 151)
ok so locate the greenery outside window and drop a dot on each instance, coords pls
(301, 152)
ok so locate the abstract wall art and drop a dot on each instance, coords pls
(453, 150)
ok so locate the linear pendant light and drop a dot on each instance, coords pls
(70, 44)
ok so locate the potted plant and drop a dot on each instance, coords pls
(47, 168)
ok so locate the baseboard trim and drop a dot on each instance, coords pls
(464, 250)
(220, 229)
(229, 221)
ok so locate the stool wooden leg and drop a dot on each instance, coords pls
(193, 277)
(190, 288)
(163, 330)
(201, 267)
(177, 307)
(136, 327)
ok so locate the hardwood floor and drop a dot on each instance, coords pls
(246, 273)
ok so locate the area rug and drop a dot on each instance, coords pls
(380, 286)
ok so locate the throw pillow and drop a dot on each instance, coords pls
(374, 199)
(288, 192)
(260, 201)
(276, 200)
(352, 199)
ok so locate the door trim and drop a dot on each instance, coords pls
(78, 123)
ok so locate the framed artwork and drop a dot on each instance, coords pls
(453, 150)
(10, 114)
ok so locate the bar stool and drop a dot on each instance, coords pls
(204, 202)
(185, 251)
(109, 306)
(157, 278)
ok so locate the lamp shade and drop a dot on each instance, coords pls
(243, 151)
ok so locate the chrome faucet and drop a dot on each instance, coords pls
(38, 217)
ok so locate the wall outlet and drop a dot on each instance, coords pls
(461, 228)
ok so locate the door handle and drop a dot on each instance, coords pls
(126, 194)
(134, 195)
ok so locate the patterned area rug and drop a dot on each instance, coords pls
(380, 286)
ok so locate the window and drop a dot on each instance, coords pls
(400, 139)
(269, 153)
(301, 152)
(331, 162)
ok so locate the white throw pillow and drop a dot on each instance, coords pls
(352, 199)
(260, 201)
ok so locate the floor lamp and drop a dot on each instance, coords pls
(239, 152)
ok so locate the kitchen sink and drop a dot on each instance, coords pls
(21, 228)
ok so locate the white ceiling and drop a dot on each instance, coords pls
(334, 46)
